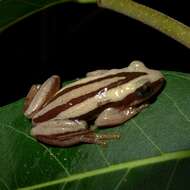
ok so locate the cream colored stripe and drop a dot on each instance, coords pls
(78, 92)
(113, 95)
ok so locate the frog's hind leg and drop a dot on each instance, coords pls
(32, 92)
(66, 133)
(114, 116)
(39, 95)
(70, 139)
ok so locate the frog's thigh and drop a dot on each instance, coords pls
(65, 140)
(58, 126)
(113, 116)
(32, 92)
(60, 132)
(40, 94)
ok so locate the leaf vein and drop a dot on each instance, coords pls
(18, 131)
(122, 179)
(172, 175)
(47, 149)
(4, 183)
(148, 138)
(77, 185)
(63, 186)
(177, 75)
(29, 3)
(103, 155)
(177, 107)
(113, 168)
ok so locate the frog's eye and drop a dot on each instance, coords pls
(144, 91)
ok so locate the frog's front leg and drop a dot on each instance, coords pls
(66, 132)
(114, 116)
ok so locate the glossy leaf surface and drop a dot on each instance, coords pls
(153, 151)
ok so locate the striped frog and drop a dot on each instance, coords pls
(61, 117)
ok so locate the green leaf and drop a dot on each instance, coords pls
(12, 11)
(153, 152)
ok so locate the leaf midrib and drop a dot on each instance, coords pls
(112, 168)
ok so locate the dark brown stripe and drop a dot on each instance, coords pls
(123, 74)
(55, 111)
(157, 87)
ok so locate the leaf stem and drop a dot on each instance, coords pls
(113, 168)
(165, 24)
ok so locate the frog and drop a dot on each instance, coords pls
(69, 115)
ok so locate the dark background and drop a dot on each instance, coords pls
(72, 39)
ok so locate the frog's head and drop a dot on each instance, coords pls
(147, 86)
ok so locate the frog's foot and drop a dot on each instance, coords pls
(39, 95)
(114, 116)
(101, 139)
